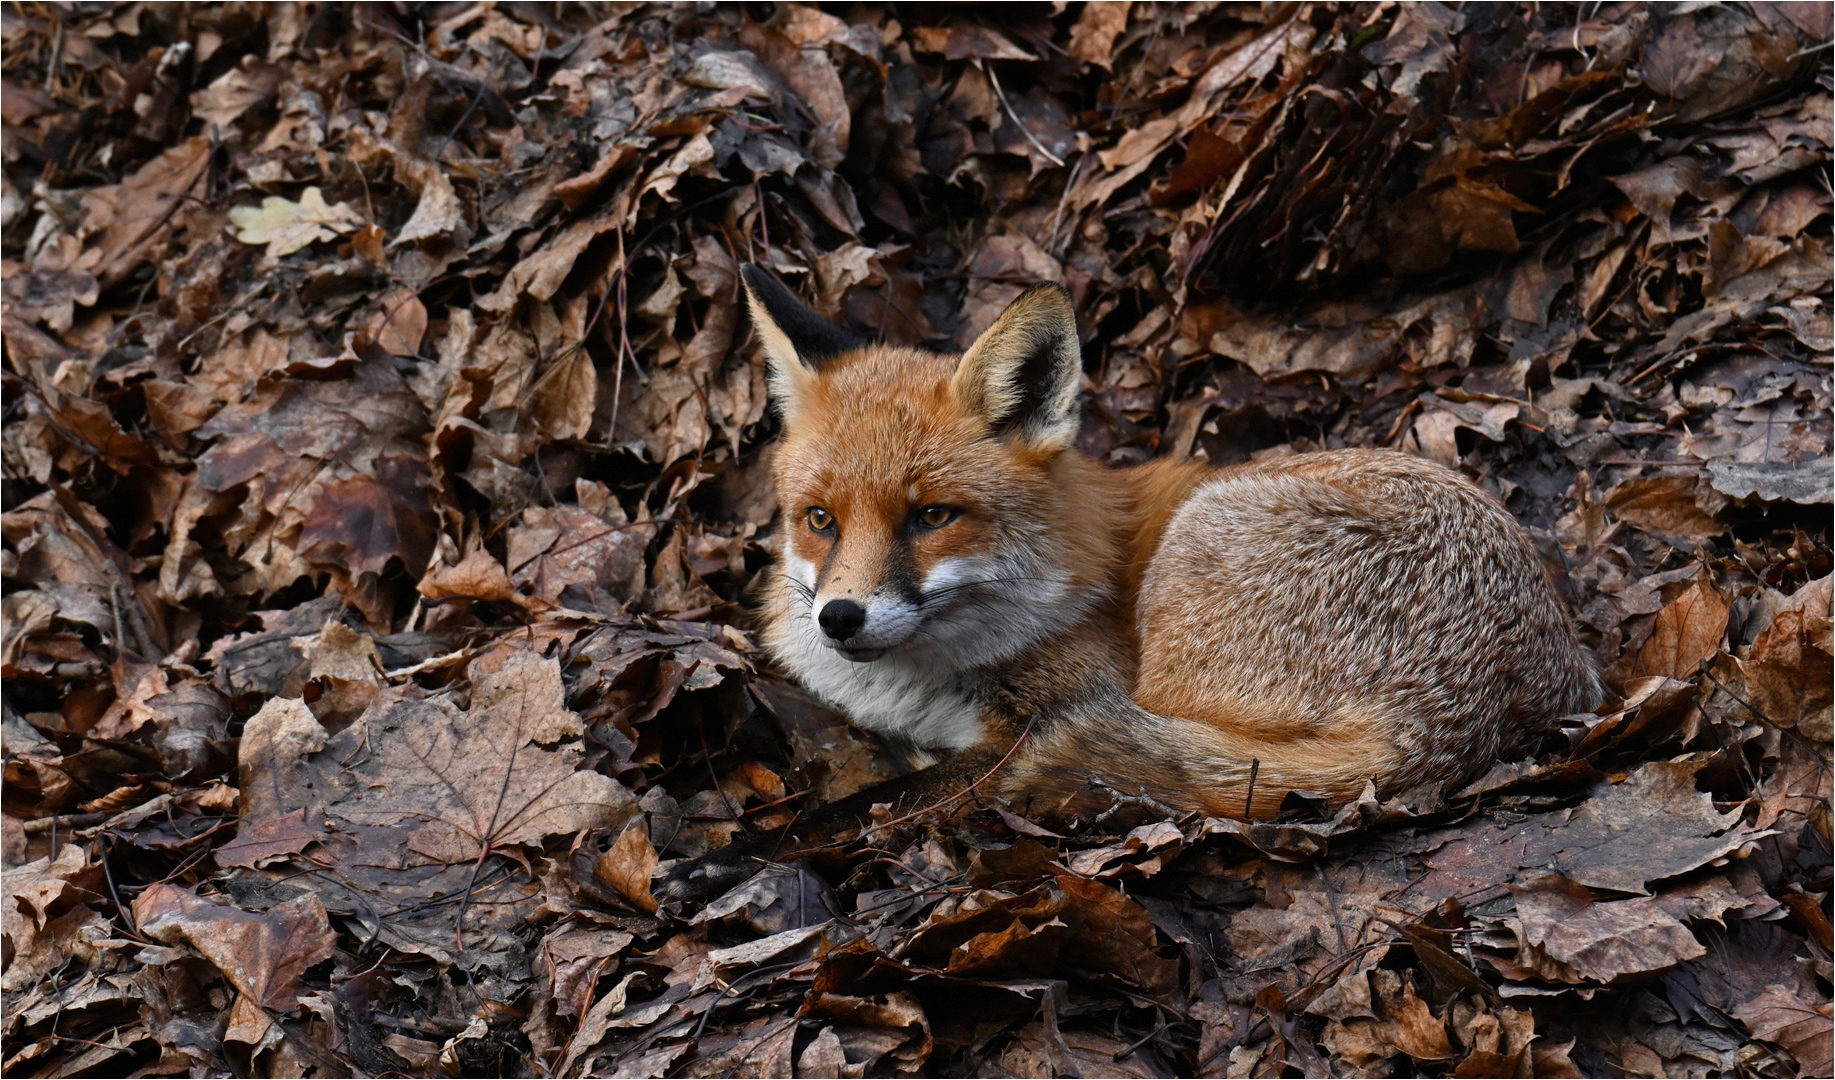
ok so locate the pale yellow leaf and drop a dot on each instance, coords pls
(286, 227)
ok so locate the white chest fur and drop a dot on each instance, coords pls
(925, 704)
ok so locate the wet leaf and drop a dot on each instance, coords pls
(263, 954)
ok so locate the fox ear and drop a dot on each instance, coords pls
(1022, 372)
(798, 342)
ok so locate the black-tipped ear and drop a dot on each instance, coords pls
(793, 334)
(1021, 374)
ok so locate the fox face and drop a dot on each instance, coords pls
(905, 521)
(921, 517)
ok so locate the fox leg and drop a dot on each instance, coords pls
(1074, 761)
(938, 787)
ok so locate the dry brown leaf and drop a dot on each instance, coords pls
(562, 400)
(364, 522)
(576, 192)
(1664, 505)
(963, 41)
(263, 954)
(565, 547)
(1568, 936)
(267, 840)
(1782, 1015)
(485, 777)
(139, 212)
(1114, 934)
(627, 866)
(400, 323)
(235, 92)
(1790, 670)
(1651, 827)
(809, 72)
(1092, 39)
(43, 912)
(1688, 632)
(478, 576)
(1411, 1026)
(50, 297)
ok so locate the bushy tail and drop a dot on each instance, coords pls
(1076, 762)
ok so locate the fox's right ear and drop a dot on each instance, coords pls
(798, 342)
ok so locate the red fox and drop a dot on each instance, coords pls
(956, 577)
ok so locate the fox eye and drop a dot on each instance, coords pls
(935, 517)
(820, 520)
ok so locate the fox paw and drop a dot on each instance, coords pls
(691, 883)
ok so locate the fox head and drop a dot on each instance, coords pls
(919, 492)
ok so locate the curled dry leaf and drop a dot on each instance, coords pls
(627, 866)
(1092, 40)
(263, 954)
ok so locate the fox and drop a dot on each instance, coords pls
(959, 579)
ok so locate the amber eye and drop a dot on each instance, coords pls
(820, 520)
(935, 517)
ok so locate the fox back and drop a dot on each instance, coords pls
(956, 576)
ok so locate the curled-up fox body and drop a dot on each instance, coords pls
(957, 577)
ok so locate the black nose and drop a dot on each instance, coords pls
(842, 619)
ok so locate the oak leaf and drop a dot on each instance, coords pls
(286, 226)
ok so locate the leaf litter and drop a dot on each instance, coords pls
(386, 465)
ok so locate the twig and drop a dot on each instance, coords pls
(63, 821)
(1707, 669)
(1017, 743)
(471, 883)
(1659, 464)
(713, 774)
(1011, 115)
(774, 969)
(483, 86)
(1331, 894)
(122, 911)
(1122, 798)
(1248, 801)
(1051, 234)
(1125, 1051)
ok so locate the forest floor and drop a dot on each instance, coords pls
(386, 465)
